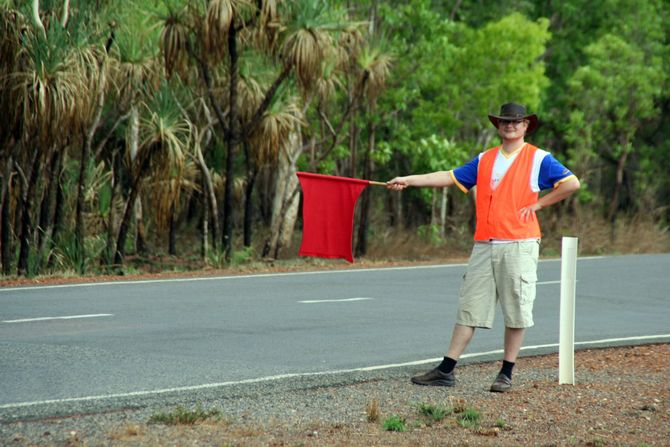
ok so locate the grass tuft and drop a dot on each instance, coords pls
(183, 416)
(372, 411)
(469, 418)
(434, 412)
(395, 423)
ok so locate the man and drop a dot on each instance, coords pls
(503, 263)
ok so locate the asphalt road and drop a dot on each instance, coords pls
(86, 342)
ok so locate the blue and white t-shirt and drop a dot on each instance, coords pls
(547, 172)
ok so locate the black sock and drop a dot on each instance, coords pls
(507, 368)
(447, 365)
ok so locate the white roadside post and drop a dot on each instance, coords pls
(566, 347)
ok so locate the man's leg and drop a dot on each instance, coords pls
(513, 341)
(473, 311)
(443, 375)
(516, 276)
(459, 340)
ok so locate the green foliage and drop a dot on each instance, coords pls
(489, 70)
(395, 423)
(310, 14)
(67, 257)
(595, 72)
(615, 92)
(430, 234)
(242, 256)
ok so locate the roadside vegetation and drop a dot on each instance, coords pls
(165, 135)
(183, 416)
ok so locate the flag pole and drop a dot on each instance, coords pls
(372, 182)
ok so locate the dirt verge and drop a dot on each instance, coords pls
(622, 397)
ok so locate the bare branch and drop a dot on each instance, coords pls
(258, 116)
(36, 17)
(66, 13)
(102, 144)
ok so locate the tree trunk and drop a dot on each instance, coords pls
(231, 143)
(614, 203)
(111, 219)
(26, 222)
(5, 225)
(443, 213)
(133, 146)
(433, 206)
(248, 194)
(286, 199)
(353, 139)
(364, 221)
(80, 230)
(204, 234)
(141, 165)
(45, 235)
(172, 239)
(209, 196)
(58, 212)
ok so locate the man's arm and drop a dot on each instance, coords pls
(561, 192)
(439, 179)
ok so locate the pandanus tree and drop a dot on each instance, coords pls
(165, 139)
(135, 75)
(11, 24)
(292, 37)
(374, 64)
(49, 88)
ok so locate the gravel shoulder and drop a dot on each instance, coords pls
(621, 397)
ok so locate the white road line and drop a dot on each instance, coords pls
(344, 300)
(254, 276)
(649, 338)
(67, 317)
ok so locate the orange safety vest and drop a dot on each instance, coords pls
(498, 210)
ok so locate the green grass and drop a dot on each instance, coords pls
(183, 416)
(434, 412)
(395, 423)
(469, 418)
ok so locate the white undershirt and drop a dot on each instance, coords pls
(501, 166)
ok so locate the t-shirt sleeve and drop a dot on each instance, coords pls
(552, 173)
(466, 175)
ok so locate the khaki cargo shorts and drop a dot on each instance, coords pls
(505, 273)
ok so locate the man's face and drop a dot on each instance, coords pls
(512, 129)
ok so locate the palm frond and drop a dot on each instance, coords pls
(377, 66)
(280, 120)
(169, 135)
(51, 89)
(221, 14)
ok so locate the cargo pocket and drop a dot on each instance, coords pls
(527, 286)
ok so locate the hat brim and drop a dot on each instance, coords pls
(532, 121)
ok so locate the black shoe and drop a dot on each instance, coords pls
(502, 384)
(435, 377)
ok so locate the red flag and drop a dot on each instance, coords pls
(328, 214)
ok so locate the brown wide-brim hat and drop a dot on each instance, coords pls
(513, 111)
